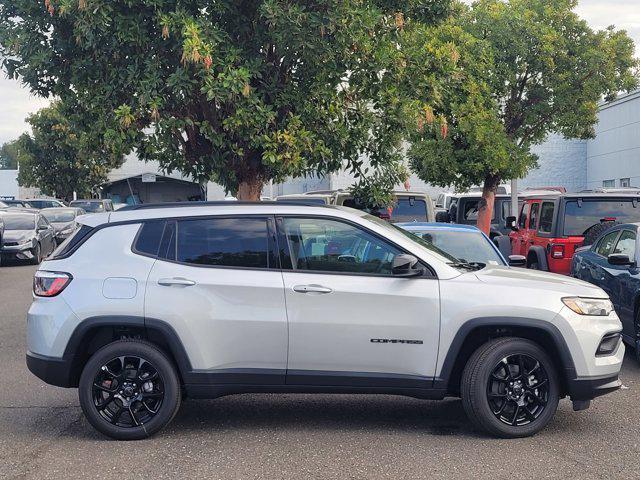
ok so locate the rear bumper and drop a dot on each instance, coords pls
(54, 371)
(588, 388)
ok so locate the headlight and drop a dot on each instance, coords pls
(597, 307)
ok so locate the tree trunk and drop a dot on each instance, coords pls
(250, 190)
(487, 202)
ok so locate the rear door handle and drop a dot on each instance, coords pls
(176, 281)
(311, 289)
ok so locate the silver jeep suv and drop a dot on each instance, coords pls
(148, 304)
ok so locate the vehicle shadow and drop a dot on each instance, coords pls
(324, 412)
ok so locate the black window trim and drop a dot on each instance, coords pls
(429, 275)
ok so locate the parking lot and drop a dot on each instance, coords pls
(44, 435)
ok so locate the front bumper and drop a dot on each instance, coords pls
(21, 252)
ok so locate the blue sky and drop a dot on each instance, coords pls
(16, 102)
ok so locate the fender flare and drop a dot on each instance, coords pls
(568, 370)
(541, 256)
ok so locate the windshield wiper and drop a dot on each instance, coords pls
(468, 265)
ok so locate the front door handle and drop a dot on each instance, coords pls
(311, 289)
(176, 281)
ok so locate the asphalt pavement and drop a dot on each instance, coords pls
(44, 435)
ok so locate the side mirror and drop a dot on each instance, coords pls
(517, 261)
(404, 266)
(510, 222)
(620, 260)
(442, 217)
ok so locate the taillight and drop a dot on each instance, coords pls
(50, 284)
(557, 251)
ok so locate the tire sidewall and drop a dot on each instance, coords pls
(517, 347)
(165, 369)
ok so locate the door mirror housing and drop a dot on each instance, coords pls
(621, 260)
(443, 217)
(517, 261)
(510, 222)
(405, 266)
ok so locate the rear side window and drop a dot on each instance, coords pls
(224, 242)
(546, 217)
(149, 238)
(606, 244)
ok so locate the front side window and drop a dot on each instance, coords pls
(224, 242)
(546, 217)
(323, 245)
(533, 218)
(626, 244)
(523, 215)
(606, 244)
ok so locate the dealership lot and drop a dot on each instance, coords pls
(44, 435)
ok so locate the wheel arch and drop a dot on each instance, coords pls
(478, 331)
(537, 252)
(96, 332)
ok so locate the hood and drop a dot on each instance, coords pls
(533, 279)
(18, 235)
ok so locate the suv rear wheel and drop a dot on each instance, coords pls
(129, 390)
(510, 388)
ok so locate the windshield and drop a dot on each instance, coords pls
(409, 210)
(314, 200)
(19, 222)
(90, 207)
(43, 203)
(580, 216)
(60, 216)
(465, 246)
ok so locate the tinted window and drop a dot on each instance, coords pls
(43, 203)
(60, 215)
(464, 246)
(149, 237)
(332, 246)
(580, 217)
(70, 244)
(546, 217)
(89, 207)
(471, 210)
(19, 222)
(533, 218)
(409, 210)
(230, 242)
(313, 200)
(523, 215)
(168, 244)
(606, 244)
(626, 244)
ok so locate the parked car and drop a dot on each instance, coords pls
(551, 227)
(612, 264)
(16, 203)
(464, 211)
(63, 221)
(41, 203)
(152, 303)
(27, 236)
(464, 242)
(94, 205)
(320, 199)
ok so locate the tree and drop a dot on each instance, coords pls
(238, 92)
(528, 68)
(9, 156)
(56, 159)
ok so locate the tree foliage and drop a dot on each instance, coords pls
(56, 157)
(9, 155)
(238, 92)
(528, 68)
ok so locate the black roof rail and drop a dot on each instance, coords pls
(221, 203)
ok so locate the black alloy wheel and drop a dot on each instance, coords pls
(128, 391)
(518, 390)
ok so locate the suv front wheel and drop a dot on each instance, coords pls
(129, 390)
(510, 388)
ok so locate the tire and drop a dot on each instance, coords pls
(593, 232)
(534, 265)
(102, 383)
(37, 255)
(479, 378)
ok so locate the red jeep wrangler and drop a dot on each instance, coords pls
(551, 227)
